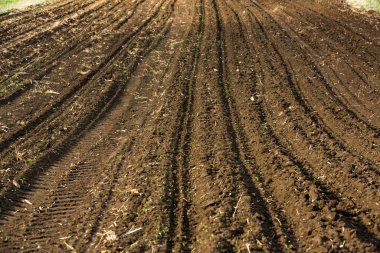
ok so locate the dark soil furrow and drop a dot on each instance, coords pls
(189, 126)
(113, 91)
(176, 195)
(70, 183)
(179, 229)
(152, 238)
(57, 36)
(319, 122)
(183, 145)
(15, 38)
(244, 143)
(347, 85)
(352, 28)
(300, 95)
(105, 203)
(90, 77)
(308, 176)
(339, 143)
(319, 73)
(360, 75)
(41, 68)
(258, 202)
(257, 97)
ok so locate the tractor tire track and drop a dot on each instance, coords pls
(85, 168)
(99, 104)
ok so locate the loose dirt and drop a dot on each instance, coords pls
(179, 126)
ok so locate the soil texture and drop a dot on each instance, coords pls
(190, 126)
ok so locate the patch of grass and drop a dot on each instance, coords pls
(10, 86)
(33, 158)
(9, 5)
(14, 85)
(289, 246)
(367, 4)
(373, 5)
(4, 2)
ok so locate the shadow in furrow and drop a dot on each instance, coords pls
(106, 103)
(178, 196)
(285, 227)
(257, 201)
(92, 75)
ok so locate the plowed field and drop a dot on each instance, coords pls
(179, 126)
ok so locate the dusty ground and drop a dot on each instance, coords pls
(176, 125)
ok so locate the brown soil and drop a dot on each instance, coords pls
(204, 125)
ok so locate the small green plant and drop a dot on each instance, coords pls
(33, 158)
(289, 246)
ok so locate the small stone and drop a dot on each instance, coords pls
(332, 216)
(314, 195)
(110, 236)
(20, 123)
(14, 182)
(317, 240)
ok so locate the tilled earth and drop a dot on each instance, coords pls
(178, 126)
